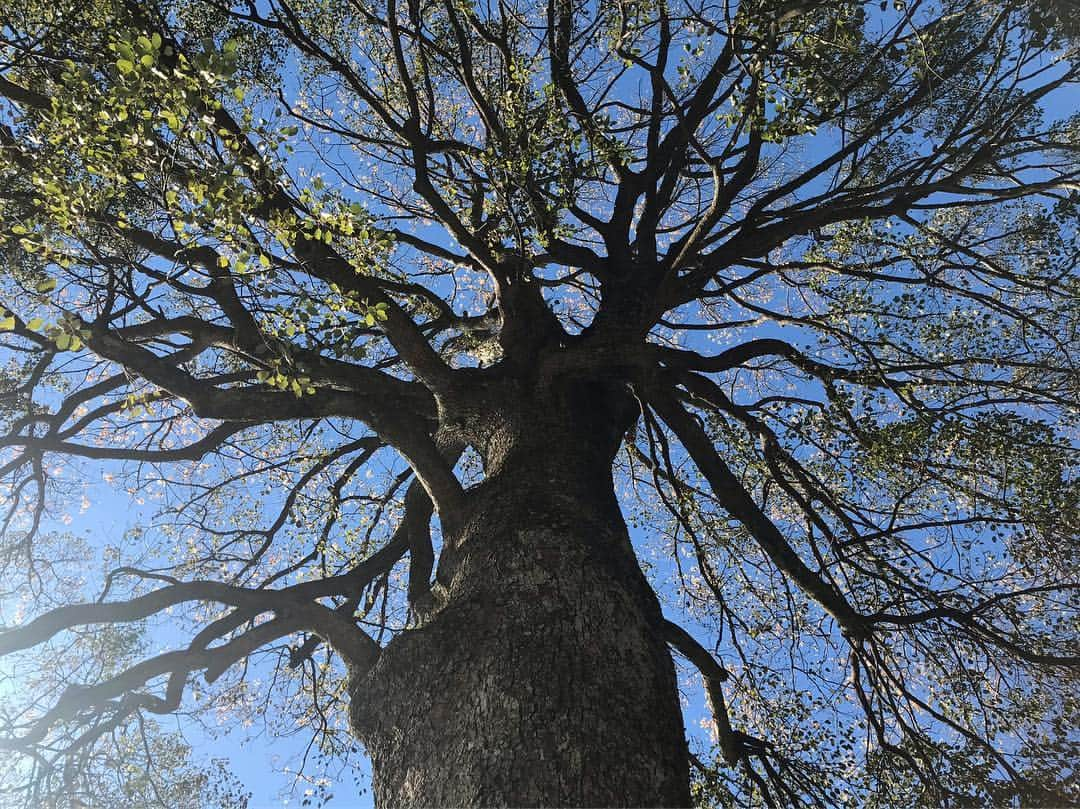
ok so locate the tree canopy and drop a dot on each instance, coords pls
(259, 258)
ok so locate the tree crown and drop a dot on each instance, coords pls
(306, 271)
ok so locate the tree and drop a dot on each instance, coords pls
(381, 303)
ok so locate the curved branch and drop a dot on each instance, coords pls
(731, 494)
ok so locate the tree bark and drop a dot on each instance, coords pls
(544, 680)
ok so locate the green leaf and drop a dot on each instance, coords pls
(125, 66)
(7, 323)
(63, 341)
(35, 323)
(48, 285)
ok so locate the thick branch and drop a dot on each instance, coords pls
(731, 494)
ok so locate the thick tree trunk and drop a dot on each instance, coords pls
(544, 681)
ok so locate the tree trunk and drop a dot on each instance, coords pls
(544, 680)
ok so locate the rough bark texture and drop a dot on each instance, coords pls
(544, 681)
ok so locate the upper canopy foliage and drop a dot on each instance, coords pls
(255, 251)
